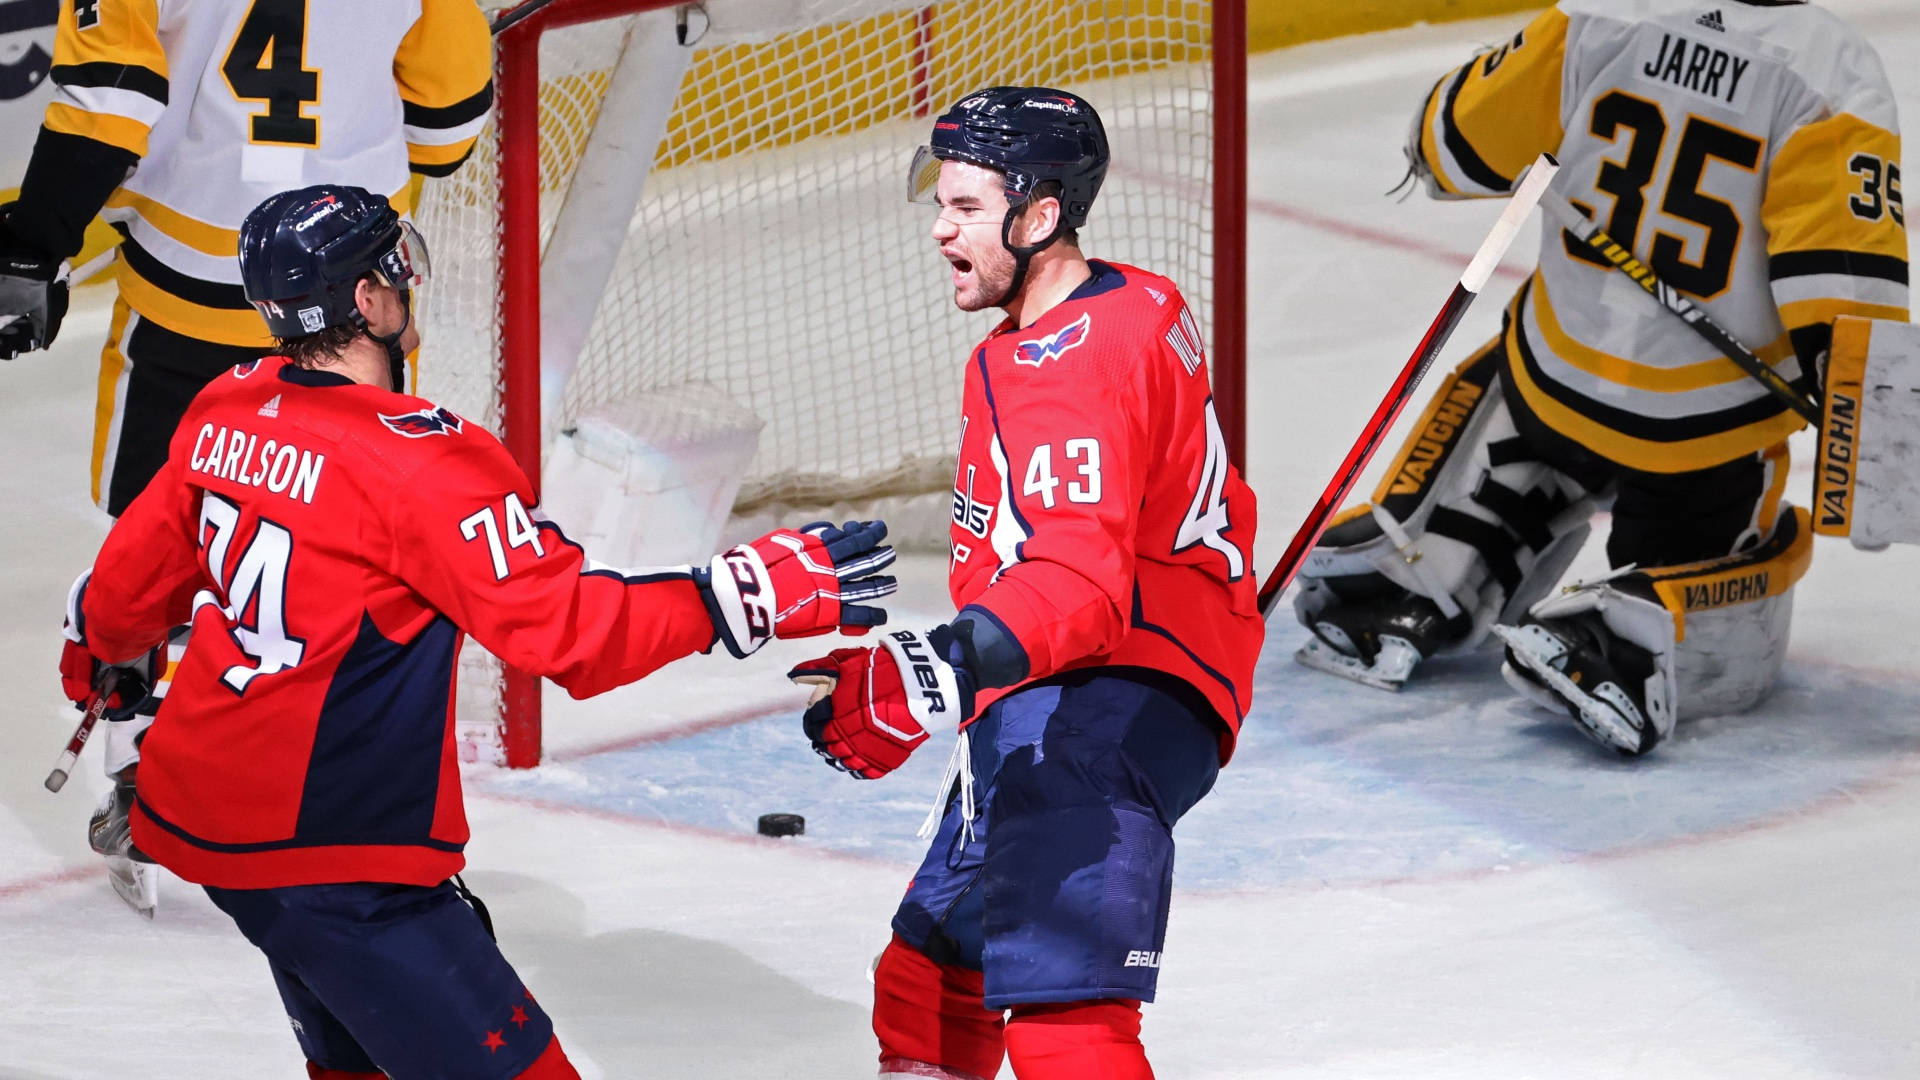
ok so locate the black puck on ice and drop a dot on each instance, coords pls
(782, 825)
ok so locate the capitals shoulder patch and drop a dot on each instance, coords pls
(1056, 344)
(419, 425)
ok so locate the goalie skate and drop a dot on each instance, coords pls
(1600, 700)
(1392, 665)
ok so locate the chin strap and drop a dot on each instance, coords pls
(1022, 256)
(396, 356)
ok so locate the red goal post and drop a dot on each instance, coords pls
(789, 100)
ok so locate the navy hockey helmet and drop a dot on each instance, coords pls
(303, 252)
(1032, 134)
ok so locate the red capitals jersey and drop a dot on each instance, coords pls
(1095, 513)
(329, 543)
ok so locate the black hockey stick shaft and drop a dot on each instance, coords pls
(1584, 229)
(1395, 402)
(513, 15)
(104, 687)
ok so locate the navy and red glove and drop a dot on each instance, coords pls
(81, 671)
(872, 707)
(795, 584)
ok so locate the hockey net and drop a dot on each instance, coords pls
(727, 217)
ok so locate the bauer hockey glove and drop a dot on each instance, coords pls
(871, 707)
(80, 671)
(790, 584)
(33, 294)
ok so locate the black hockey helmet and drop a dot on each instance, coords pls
(302, 253)
(1030, 133)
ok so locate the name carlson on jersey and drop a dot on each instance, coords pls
(244, 458)
(1696, 67)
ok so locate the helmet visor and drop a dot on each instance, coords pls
(923, 177)
(408, 265)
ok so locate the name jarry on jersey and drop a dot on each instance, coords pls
(282, 468)
(1696, 67)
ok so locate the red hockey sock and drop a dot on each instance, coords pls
(930, 1015)
(552, 1064)
(1077, 1039)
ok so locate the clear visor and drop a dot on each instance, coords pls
(923, 178)
(408, 265)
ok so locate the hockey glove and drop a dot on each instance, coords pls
(791, 584)
(80, 671)
(871, 707)
(33, 294)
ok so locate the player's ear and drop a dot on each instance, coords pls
(1041, 218)
(365, 297)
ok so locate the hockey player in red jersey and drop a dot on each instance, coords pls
(331, 540)
(1102, 657)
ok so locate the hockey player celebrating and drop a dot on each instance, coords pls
(1749, 154)
(1102, 657)
(175, 118)
(331, 540)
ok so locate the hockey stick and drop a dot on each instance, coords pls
(79, 275)
(109, 682)
(514, 15)
(1538, 175)
(1584, 229)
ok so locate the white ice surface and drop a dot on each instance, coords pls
(1434, 885)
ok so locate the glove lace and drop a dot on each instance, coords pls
(959, 764)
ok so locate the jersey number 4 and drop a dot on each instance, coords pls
(1207, 519)
(267, 62)
(256, 591)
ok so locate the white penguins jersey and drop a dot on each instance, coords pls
(1747, 150)
(227, 102)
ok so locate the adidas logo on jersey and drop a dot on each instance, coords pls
(1158, 296)
(1711, 20)
(272, 407)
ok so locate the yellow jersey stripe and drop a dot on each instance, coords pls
(1718, 371)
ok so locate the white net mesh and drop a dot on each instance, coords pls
(772, 253)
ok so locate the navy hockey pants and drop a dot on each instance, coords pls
(398, 978)
(1062, 894)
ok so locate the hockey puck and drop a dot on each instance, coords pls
(782, 825)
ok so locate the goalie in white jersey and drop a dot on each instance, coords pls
(1749, 153)
(175, 118)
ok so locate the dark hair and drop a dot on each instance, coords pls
(1052, 189)
(308, 349)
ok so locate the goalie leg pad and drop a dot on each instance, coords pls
(1630, 655)
(1469, 527)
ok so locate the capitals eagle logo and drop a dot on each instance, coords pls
(419, 425)
(1036, 353)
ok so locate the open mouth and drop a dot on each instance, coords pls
(961, 268)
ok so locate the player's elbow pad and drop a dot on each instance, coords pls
(988, 649)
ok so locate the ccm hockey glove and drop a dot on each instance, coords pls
(33, 293)
(872, 707)
(790, 584)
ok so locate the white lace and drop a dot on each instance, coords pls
(960, 764)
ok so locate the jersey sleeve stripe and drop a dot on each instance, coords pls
(1789, 264)
(100, 74)
(1471, 163)
(110, 128)
(1868, 290)
(458, 115)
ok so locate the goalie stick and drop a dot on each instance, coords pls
(1528, 192)
(1583, 228)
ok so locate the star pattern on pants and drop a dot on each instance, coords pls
(493, 1042)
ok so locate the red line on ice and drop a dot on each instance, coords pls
(16, 889)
